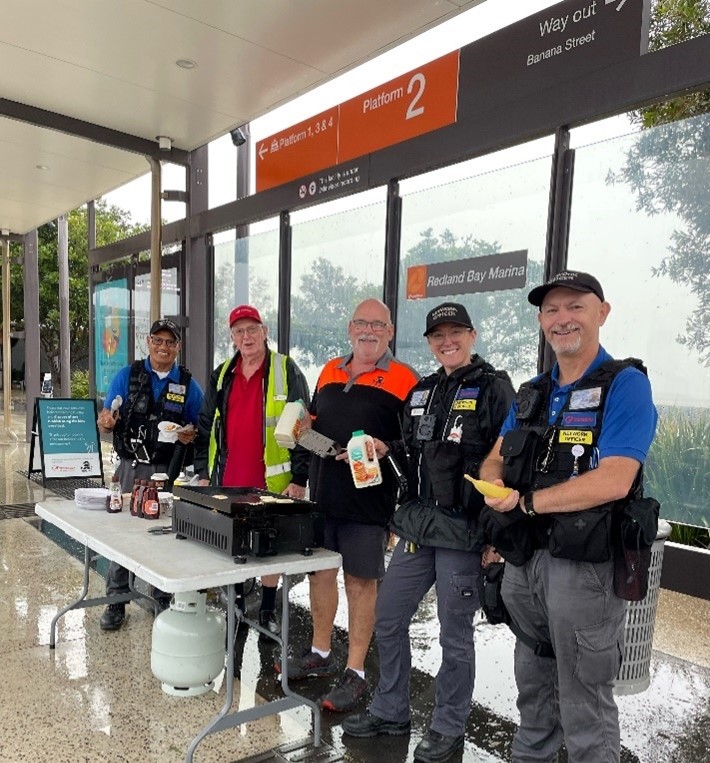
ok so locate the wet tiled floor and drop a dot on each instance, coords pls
(94, 698)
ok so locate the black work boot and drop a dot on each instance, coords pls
(268, 620)
(113, 617)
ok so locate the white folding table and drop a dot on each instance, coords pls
(175, 566)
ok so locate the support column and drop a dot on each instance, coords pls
(33, 376)
(64, 336)
(156, 272)
(199, 275)
(7, 436)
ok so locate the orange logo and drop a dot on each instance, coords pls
(416, 282)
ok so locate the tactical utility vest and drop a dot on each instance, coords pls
(138, 424)
(539, 455)
(458, 442)
(277, 460)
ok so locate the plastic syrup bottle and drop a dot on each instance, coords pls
(137, 505)
(364, 465)
(134, 497)
(151, 505)
(115, 501)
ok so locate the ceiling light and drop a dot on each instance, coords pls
(41, 167)
(186, 63)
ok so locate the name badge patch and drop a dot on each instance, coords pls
(581, 436)
(420, 397)
(178, 389)
(464, 405)
(581, 399)
(175, 397)
(574, 419)
(467, 393)
(416, 411)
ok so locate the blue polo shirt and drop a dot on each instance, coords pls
(629, 418)
(119, 386)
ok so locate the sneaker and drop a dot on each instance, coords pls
(309, 664)
(113, 617)
(346, 694)
(268, 620)
(368, 725)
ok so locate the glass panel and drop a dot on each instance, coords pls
(641, 223)
(246, 271)
(111, 331)
(337, 262)
(501, 211)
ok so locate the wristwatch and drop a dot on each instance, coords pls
(527, 506)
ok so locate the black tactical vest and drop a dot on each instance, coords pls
(141, 415)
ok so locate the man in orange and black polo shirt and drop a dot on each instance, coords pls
(364, 390)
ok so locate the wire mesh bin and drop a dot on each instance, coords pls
(634, 674)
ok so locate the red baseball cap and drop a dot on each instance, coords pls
(244, 311)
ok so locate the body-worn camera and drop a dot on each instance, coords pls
(528, 402)
(425, 430)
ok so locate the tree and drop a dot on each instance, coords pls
(112, 224)
(322, 306)
(673, 22)
(668, 169)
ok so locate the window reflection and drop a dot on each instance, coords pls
(245, 272)
(500, 211)
(641, 223)
(337, 262)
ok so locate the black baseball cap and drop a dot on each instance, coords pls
(447, 312)
(570, 279)
(164, 324)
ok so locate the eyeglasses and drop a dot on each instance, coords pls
(157, 341)
(247, 330)
(377, 326)
(455, 334)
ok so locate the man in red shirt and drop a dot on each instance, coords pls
(235, 446)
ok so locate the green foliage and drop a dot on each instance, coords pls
(80, 384)
(112, 224)
(673, 22)
(677, 471)
(690, 536)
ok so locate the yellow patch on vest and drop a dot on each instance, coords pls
(464, 405)
(582, 436)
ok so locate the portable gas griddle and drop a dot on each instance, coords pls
(243, 522)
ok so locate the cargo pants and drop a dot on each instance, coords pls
(568, 698)
(409, 577)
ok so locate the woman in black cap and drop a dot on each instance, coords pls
(451, 420)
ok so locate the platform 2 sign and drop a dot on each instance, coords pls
(568, 39)
(66, 434)
(412, 104)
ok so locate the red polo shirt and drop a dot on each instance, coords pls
(244, 429)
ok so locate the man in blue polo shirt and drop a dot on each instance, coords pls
(571, 449)
(151, 391)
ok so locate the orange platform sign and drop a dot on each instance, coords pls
(298, 150)
(422, 100)
(417, 102)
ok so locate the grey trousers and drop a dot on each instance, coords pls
(117, 576)
(408, 578)
(572, 605)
